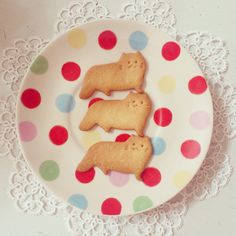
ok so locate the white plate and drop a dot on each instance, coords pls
(49, 112)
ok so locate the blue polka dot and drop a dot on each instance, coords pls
(159, 145)
(79, 201)
(65, 103)
(138, 40)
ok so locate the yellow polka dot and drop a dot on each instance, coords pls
(167, 84)
(181, 178)
(76, 38)
(89, 138)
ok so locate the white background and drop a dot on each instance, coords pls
(25, 18)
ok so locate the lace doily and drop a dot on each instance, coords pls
(210, 53)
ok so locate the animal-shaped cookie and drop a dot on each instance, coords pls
(127, 73)
(130, 113)
(131, 156)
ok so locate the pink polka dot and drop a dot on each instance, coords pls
(27, 131)
(118, 179)
(70, 71)
(199, 120)
(163, 117)
(151, 176)
(111, 206)
(85, 177)
(122, 137)
(190, 149)
(58, 135)
(197, 85)
(31, 98)
(107, 40)
(170, 51)
(92, 101)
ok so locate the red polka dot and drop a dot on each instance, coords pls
(122, 137)
(190, 149)
(111, 206)
(151, 176)
(197, 85)
(31, 98)
(163, 117)
(107, 40)
(170, 51)
(71, 71)
(85, 177)
(92, 101)
(58, 135)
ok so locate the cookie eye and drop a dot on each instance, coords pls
(141, 102)
(133, 144)
(135, 61)
(133, 101)
(128, 62)
(142, 145)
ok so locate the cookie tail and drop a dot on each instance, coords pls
(87, 123)
(86, 91)
(86, 164)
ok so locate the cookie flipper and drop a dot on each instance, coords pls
(86, 124)
(86, 91)
(86, 164)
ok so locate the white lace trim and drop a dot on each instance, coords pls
(79, 13)
(210, 53)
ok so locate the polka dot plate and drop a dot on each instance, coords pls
(49, 111)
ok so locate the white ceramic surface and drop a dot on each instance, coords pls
(49, 98)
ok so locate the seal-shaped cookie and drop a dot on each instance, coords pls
(130, 113)
(127, 73)
(131, 156)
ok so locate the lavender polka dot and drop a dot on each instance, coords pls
(27, 131)
(199, 120)
(118, 179)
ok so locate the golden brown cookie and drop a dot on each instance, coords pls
(127, 73)
(131, 156)
(130, 113)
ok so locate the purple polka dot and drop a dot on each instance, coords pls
(27, 131)
(199, 120)
(118, 179)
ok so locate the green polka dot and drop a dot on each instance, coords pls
(49, 170)
(142, 203)
(40, 65)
